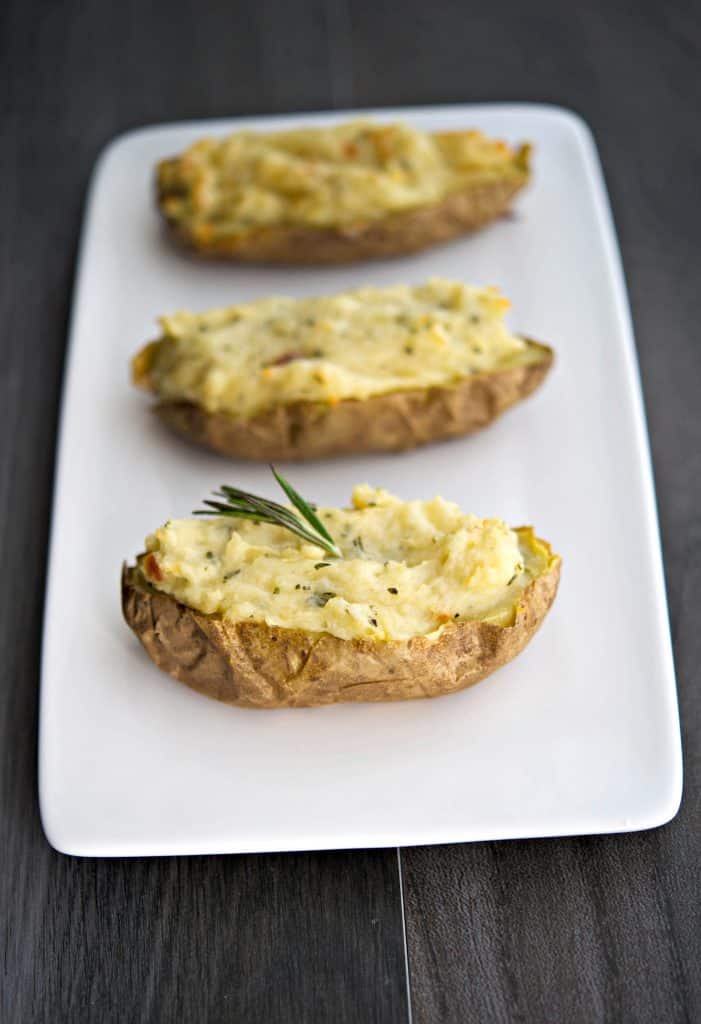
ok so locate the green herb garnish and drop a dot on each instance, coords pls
(242, 505)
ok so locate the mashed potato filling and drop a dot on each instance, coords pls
(337, 176)
(247, 359)
(408, 569)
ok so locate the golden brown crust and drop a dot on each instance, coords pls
(394, 235)
(259, 666)
(391, 422)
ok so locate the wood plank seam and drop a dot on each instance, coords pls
(407, 971)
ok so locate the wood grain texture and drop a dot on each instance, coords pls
(570, 930)
(311, 938)
(304, 937)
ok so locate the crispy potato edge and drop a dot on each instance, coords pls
(258, 666)
(396, 421)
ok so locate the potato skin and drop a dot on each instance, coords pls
(258, 666)
(392, 422)
(394, 235)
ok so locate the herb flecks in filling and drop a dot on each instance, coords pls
(245, 360)
(423, 566)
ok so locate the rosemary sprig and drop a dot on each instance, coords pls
(242, 505)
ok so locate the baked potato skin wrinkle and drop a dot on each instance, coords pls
(253, 665)
(395, 421)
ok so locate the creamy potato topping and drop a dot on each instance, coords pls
(408, 569)
(337, 176)
(247, 359)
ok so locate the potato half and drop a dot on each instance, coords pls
(255, 664)
(377, 370)
(393, 422)
(355, 191)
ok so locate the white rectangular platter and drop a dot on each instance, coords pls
(579, 735)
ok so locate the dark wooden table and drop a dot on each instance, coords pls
(571, 930)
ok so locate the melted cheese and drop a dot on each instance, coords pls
(343, 175)
(408, 568)
(246, 359)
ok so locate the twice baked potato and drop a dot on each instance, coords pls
(369, 370)
(417, 600)
(336, 194)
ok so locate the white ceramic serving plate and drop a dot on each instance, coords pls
(579, 735)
